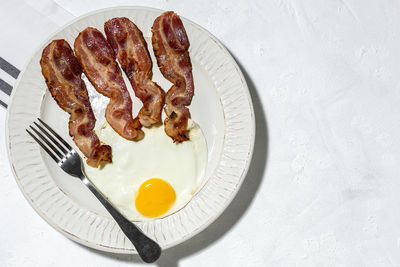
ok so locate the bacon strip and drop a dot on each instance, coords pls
(171, 44)
(62, 73)
(96, 56)
(131, 51)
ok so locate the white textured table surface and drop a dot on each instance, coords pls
(324, 184)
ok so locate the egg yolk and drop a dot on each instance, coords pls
(155, 197)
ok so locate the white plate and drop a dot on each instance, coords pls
(221, 106)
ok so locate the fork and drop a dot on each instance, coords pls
(69, 160)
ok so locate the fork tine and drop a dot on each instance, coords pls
(50, 145)
(51, 138)
(56, 135)
(44, 147)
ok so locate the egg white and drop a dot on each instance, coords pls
(156, 156)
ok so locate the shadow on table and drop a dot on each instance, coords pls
(235, 210)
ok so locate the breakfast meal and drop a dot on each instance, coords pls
(96, 57)
(151, 171)
(131, 51)
(62, 73)
(171, 44)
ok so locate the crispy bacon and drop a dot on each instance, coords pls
(96, 56)
(131, 51)
(171, 44)
(62, 73)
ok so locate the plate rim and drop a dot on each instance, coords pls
(212, 218)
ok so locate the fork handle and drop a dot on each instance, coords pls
(148, 250)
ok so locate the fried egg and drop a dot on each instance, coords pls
(154, 177)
